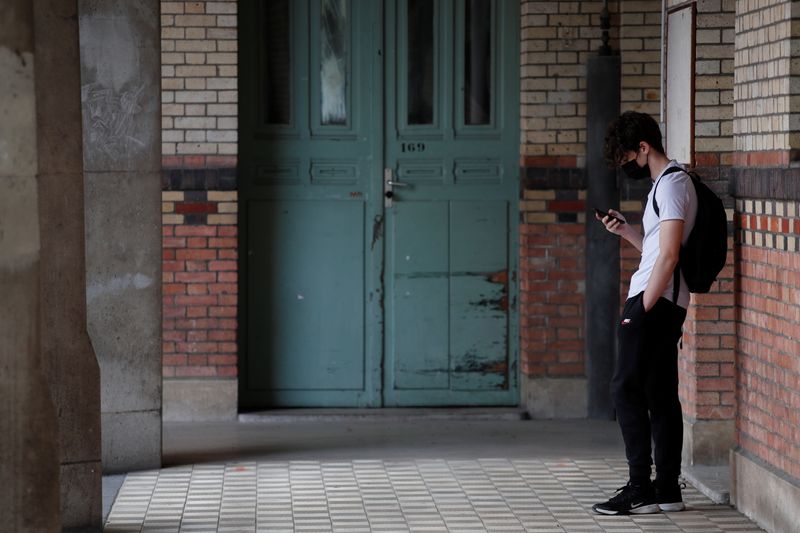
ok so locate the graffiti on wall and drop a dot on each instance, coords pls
(109, 120)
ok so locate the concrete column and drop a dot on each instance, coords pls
(69, 361)
(120, 76)
(29, 458)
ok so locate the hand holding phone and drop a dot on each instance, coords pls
(602, 214)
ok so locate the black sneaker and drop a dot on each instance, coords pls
(668, 496)
(630, 499)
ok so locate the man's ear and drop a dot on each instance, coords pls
(644, 147)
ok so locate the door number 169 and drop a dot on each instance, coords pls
(412, 147)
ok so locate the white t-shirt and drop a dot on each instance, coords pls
(677, 200)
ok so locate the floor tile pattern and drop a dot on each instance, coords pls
(396, 496)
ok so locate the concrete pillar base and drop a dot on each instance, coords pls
(554, 397)
(200, 400)
(707, 442)
(131, 441)
(81, 495)
(766, 496)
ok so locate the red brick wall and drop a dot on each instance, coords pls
(706, 365)
(552, 283)
(200, 283)
(768, 332)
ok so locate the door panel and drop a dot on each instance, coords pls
(421, 358)
(479, 312)
(479, 285)
(478, 329)
(479, 236)
(315, 292)
(420, 231)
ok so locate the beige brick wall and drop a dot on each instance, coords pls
(199, 78)
(763, 94)
(557, 39)
(640, 54)
(713, 106)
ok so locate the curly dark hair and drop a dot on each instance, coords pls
(625, 134)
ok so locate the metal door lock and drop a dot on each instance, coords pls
(388, 185)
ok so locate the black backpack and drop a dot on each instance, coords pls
(703, 256)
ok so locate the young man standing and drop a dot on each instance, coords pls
(645, 384)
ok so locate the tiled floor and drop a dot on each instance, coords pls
(541, 495)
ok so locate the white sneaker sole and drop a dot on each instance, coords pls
(678, 506)
(646, 509)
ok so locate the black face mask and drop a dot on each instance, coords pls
(634, 171)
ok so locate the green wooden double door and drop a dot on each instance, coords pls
(379, 148)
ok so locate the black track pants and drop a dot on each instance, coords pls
(645, 387)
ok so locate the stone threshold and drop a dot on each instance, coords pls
(394, 414)
(713, 481)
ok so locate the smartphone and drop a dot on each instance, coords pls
(602, 214)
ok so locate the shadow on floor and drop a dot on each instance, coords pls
(188, 443)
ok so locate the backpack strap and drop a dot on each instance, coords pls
(676, 278)
(676, 282)
(670, 170)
